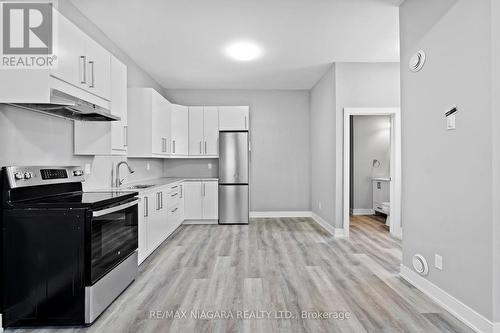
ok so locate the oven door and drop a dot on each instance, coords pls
(113, 237)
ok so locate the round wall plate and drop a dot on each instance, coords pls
(420, 264)
(417, 61)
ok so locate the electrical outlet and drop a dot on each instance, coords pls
(87, 169)
(438, 261)
(148, 166)
(319, 205)
(210, 165)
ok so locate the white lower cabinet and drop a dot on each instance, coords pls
(161, 211)
(201, 200)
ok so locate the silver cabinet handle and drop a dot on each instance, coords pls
(180, 192)
(245, 122)
(161, 200)
(158, 201)
(205, 147)
(173, 146)
(83, 69)
(146, 206)
(174, 210)
(173, 195)
(204, 189)
(92, 74)
(200, 147)
(125, 136)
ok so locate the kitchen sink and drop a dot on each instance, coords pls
(139, 187)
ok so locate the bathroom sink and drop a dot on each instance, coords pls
(139, 187)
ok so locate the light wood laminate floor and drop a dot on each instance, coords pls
(280, 264)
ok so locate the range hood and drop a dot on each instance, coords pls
(69, 107)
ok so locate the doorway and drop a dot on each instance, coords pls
(384, 177)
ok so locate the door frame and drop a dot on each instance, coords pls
(396, 228)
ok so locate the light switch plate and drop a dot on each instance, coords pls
(438, 262)
(451, 122)
(87, 169)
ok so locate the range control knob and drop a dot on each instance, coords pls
(28, 175)
(18, 175)
(78, 173)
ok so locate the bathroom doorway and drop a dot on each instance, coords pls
(372, 168)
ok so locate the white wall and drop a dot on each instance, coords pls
(371, 140)
(28, 138)
(361, 85)
(447, 175)
(322, 110)
(279, 132)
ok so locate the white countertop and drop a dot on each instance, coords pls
(156, 182)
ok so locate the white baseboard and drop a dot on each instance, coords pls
(463, 312)
(280, 214)
(336, 232)
(362, 211)
(200, 222)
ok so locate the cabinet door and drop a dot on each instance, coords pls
(143, 208)
(166, 125)
(179, 133)
(155, 222)
(234, 118)
(210, 200)
(192, 200)
(119, 106)
(159, 144)
(211, 131)
(98, 69)
(70, 50)
(196, 130)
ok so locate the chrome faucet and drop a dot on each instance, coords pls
(118, 181)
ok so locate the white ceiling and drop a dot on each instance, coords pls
(181, 42)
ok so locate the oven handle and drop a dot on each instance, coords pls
(114, 209)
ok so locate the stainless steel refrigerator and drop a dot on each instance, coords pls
(233, 177)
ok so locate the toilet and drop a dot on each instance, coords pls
(386, 208)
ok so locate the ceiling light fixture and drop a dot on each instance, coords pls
(243, 51)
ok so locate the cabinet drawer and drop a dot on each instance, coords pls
(174, 215)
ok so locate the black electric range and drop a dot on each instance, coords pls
(66, 253)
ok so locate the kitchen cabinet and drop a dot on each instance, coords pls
(179, 130)
(192, 200)
(81, 61)
(234, 118)
(203, 131)
(161, 212)
(119, 135)
(106, 138)
(210, 200)
(201, 200)
(98, 69)
(148, 123)
(70, 51)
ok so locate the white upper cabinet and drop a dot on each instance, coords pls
(179, 130)
(211, 131)
(196, 144)
(81, 61)
(106, 138)
(119, 135)
(148, 123)
(234, 118)
(70, 51)
(98, 69)
(203, 131)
